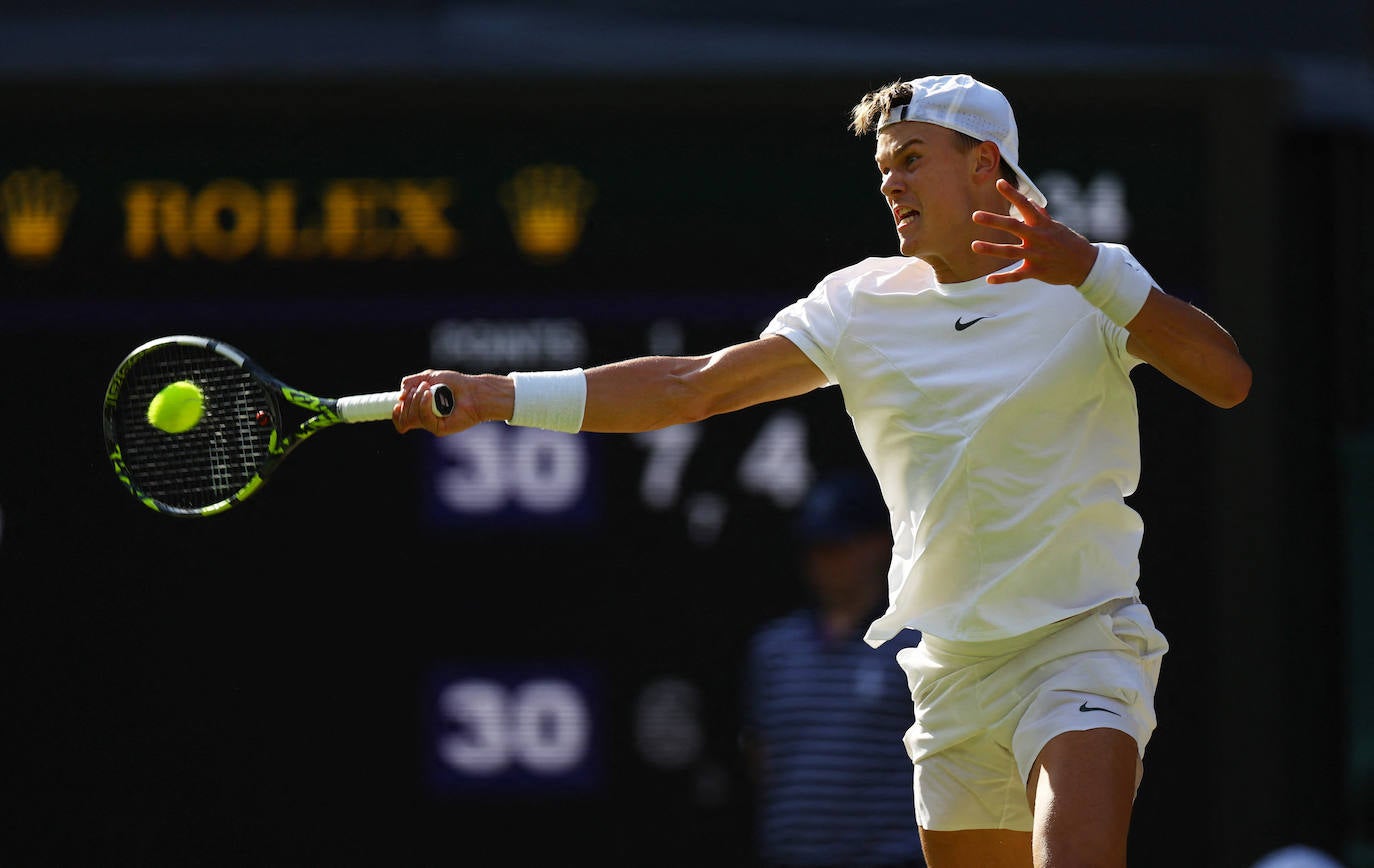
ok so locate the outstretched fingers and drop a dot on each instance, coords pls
(1048, 250)
(1032, 212)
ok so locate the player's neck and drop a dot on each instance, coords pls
(957, 263)
(963, 268)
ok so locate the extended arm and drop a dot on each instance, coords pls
(634, 395)
(1178, 339)
(655, 392)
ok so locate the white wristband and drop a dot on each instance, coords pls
(553, 400)
(1117, 284)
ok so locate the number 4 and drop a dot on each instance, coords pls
(776, 462)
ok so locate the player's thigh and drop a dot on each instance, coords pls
(984, 848)
(1081, 791)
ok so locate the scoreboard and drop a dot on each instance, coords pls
(511, 642)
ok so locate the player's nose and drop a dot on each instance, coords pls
(891, 185)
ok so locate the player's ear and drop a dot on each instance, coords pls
(986, 163)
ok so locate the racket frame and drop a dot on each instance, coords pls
(322, 413)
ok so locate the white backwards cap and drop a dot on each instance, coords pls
(966, 105)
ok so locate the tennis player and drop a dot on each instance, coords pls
(987, 372)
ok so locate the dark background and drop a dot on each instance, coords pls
(266, 687)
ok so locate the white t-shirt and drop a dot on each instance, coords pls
(1001, 425)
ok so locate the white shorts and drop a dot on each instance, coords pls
(984, 710)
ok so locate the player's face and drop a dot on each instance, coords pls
(928, 188)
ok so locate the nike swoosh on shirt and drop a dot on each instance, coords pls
(960, 325)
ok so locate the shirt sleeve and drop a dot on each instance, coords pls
(815, 324)
(1116, 337)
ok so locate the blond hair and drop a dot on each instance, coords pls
(875, 105)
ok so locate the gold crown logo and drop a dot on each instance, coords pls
(34, 207)
(547, 207)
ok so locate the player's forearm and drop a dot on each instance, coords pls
(1190, 348)
(652, 392)
(1174, 337)
(634, 395)
(641, 394)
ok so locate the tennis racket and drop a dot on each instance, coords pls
(250, 422)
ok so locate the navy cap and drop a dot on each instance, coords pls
(841, 506)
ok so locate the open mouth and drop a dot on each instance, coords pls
(905, 215)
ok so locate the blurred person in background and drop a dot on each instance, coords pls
(822, 709)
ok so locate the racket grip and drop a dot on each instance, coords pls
(377, 406)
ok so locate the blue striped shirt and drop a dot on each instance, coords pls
(835, 782)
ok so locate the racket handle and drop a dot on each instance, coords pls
(377, 406)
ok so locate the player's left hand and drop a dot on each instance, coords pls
(1048, 250)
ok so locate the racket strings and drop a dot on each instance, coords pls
(216, 458)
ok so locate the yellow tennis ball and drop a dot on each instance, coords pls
(177, 408)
